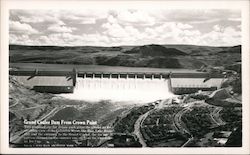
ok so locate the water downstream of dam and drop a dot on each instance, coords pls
(121, 89)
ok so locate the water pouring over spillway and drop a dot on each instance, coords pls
(121, 89)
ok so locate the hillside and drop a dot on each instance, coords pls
(234, 49)
(155, 50)
(25, 103)
(21, 97)
(159, 56)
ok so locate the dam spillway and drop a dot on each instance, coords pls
(118, 83)
(121, 88)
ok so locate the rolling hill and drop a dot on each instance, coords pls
(155, 50)
(159, 56)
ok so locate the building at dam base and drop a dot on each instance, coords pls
(129, 83)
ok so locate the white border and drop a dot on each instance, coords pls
(78, 4)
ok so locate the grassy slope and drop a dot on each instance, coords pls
(22, 97)
(25, 104)
(165, 56)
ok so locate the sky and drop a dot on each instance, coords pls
(116, 27)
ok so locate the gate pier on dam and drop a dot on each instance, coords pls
(122, 75)
(112, 79)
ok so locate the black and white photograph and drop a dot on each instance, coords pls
(125, 77)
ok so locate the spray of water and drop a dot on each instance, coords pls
(132, 90)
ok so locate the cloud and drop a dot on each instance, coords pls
(167, 33)
(217, 28)
(172, 32)
(184, 26)
(128, 35)
(131, 17)
(58, 16)
(221, 36)
(21, 28)
(125, 27)
(88, 21)
(231, 32)
(86, 16)
(31, 19)
(79, 40)
(235, 19)
(114, 30)
(121, 34)
(60, 29)
(197, 16)
(23, 39)
(66, 39)
(17, 39)
(111, 19)
(37, 16)
(79, 19)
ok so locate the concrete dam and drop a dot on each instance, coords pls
(115, 83)
(121, 87)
